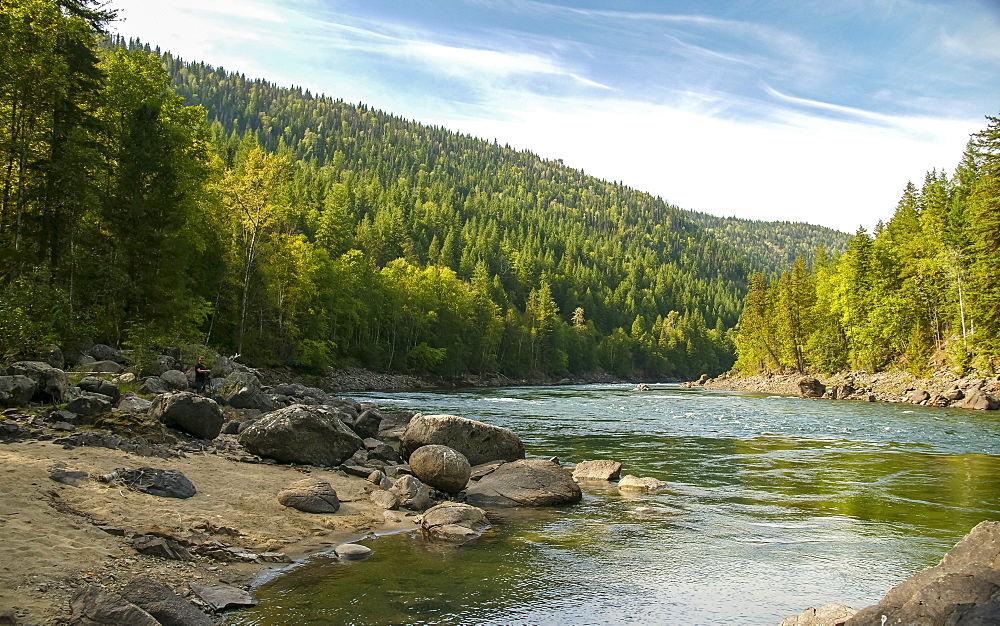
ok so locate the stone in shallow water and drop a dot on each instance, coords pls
(352, 551)
(602, 469)
(646, 483)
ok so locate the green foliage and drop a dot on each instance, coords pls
(423, 358)
(174, 202)
(33, 313)
(923, 286)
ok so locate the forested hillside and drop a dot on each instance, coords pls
(772, 247)
(919, 293)
(147, 201)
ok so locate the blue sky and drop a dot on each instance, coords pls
(774, 110)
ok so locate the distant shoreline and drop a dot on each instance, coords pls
(869, 387)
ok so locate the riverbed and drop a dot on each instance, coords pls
(773, 504)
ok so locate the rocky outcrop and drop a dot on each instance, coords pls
(165, 606)
(410, 493)
(367, 424)
(103, 352)
(810, 387)
(131, 403)
(941, 390)
(175, 380)
(525, 482)
(242, 390)
(189, 412)
(51, 384)
(310, 495)
(87, 404)
(94, 384)
(478, 442)
(93, 606)
(979, 400)
(153, 385)
(603, 469)
(454, 522)
(16, 390)
(299, 433)
(963, 589)
(441, 467)
(393, 425)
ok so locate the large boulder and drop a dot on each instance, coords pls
(454, 522)
(299, 433)
(92, 606)
(16, 390)
(526, 482)
(88, 404)
(441, 467)
(310, 495)
(979, 400)
(165, 363)
(103, 352)
(50, 354)
(101, 367)
(131, 403)
(241, 390)
(163, 604)
(411, 493)
(810, 387)
(479, 442)
(367, 424)
(95, 384)
(189, 412)
(964, 588)
(51, 384)
(175, 380)
(393, 425)
(152, 386)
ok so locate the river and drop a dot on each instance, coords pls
(773, 504)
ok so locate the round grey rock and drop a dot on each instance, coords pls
(441, 467)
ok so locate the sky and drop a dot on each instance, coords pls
(775, 110)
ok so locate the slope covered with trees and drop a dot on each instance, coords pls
(302, 230)
(919, 293)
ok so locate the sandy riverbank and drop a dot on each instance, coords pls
(51, 543)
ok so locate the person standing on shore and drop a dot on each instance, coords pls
(201, 376)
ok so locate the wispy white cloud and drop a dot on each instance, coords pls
(729, 116)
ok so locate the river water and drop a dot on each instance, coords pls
(774, 504)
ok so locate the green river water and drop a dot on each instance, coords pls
(774, 504)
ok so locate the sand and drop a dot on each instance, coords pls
(50, 543)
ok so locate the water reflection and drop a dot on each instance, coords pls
(774, 504)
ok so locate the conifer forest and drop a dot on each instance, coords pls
(148, 201)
